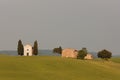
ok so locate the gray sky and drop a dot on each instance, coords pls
(94, 24)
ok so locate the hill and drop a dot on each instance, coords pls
(57, 68)
(41, 52)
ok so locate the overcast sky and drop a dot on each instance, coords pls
(94, 24)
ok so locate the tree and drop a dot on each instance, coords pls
(82, 53)
(57, 50)
(60, 50)
(104, 54)
(85, 50)
(35, 48)
(20, 48)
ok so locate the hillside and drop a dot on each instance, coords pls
(57, 68)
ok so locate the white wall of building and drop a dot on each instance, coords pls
(28, 50)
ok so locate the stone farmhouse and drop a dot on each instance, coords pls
(72, 53)
(89, 56)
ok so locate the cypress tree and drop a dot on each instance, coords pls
(20, 48)
(35, 48)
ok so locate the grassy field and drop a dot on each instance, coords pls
(57, 68)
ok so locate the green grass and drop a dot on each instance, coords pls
(57, 68)
(117, 59)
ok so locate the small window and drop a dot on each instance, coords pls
(27, 49)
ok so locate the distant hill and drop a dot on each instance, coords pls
(95, 54)
(41, 52)
(46, 52)
(9, 52)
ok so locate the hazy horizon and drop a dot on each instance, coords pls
(94, 24)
